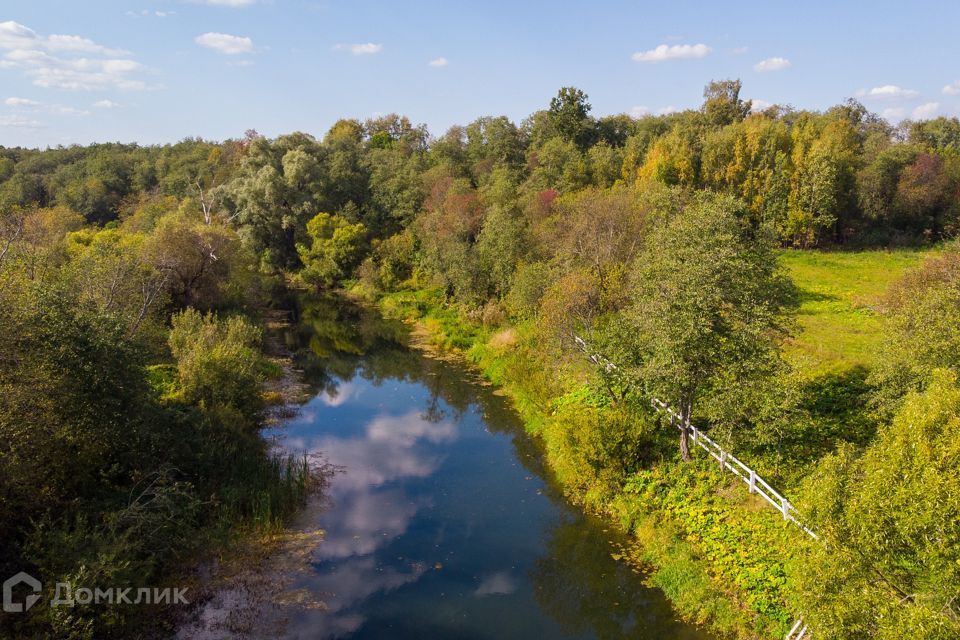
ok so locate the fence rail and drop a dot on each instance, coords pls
(727, 461)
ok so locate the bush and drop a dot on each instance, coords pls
(218, 363)
(594, 447)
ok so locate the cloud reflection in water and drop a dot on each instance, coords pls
(370, 509)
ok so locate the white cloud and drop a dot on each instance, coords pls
(55, 109)
(739, 51)
(360, 49)
(438, 62)
(14, 35)
(106, 104)
(893, 113)
(19, 122)
(226, 3)
(925, 111)
(671, 52)
(759, 105)
(67, 111)
(496, 584)
(772, 64)
(146, 13)
(952, 89)
(66, 61)
(888, 91)
(20, 102)
(225, 43)
(81, 45)
(641, 111)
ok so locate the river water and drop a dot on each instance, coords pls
(440, 522)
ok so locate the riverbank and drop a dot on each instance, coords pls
(241, 585)
(720, 557)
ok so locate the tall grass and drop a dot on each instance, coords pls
(270, 489)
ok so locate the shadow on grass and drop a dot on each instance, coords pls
(806, 295)
(836, 411)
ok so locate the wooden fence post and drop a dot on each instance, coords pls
(785, 506)
(753, 481)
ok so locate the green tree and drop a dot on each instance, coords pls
(278, 186)
(722, 104)
(877, 182)
(336, 248)
(708, 306)
(559, 165)
(923, 332)
(570, 113)
(889, 521)
(501, 244)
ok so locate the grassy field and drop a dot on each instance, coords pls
(840, 320)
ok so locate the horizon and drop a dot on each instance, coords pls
(160, 71)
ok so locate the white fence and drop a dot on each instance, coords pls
(730, 462)
(727, 462)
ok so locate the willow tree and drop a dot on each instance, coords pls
(890, 520)
(708, 303)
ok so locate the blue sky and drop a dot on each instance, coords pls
(155, 71)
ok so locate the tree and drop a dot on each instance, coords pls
(110, 272)
(197, 259)
(34, 239)
(924, 192)
(939, 134)
(72, 406)
(278, 186)
(346, 174)
(447, 230)
(501, 243)
(674, 158)
(335, 251)
(560, 165)
(889, 520)
(877, 182)
(494, 142)
(822, 183)
(604, 164)
(602, 231)
(614, 130)
(923, 332)
(570, 114)
(722, 104)
(708, 302)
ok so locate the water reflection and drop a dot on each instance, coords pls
(440, 524)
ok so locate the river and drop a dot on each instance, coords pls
(441, 522)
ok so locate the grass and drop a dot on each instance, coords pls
(840, 319)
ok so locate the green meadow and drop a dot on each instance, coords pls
(841, 313)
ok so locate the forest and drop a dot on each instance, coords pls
(135, 284)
